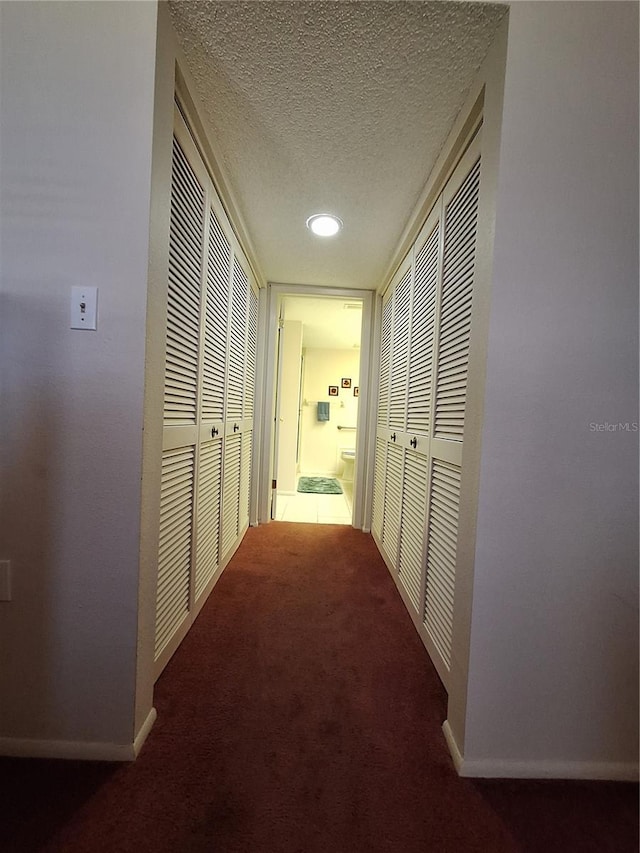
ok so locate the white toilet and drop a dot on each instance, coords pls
(348, 456)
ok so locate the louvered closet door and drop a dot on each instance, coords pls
(217, 319)
(399, 362)
(174, 552)
(392, 398)
(424, 358)
(380, 466)
(453, 331)
(239, 404)
(186, 241)
(411, 540)
(252, 342)
(396, 352)
(397, 439)
(423, 319)
(460, 219)
(208, 513)
(245, 480)
(392, 502)
(212, 311)
(248, 408)
(211, 432)
(420, 377)
(231, 492)
(180, 434)
(385, 361)
(442, 541)
(237, 352)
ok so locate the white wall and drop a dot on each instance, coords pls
(321, 441)
(289, 404)
(77, 110)
(553, 673)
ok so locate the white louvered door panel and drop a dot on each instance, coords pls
(423, 316)
(245, 479)
(377, 514)
(208, 513)
(442, 540)
(236, 361)
(252, 342)
(412, 528)
(186, 241)
(392, 503)
(231, 491)
(174, 553)
(385, 361)
(400, 352)
(216, 321)
(460, 219)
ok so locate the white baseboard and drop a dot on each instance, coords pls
(487, 768)
(456, 755)
(142, 735)
(77, 750)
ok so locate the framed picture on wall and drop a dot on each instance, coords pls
(356, 391)
(346, 383)
(333, 390)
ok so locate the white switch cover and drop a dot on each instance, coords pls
(84, 308)
(5, 580)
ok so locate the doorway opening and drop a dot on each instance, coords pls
(316, 409)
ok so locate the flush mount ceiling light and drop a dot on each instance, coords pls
(324, 224)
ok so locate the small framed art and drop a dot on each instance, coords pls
(356, 391)
(346, 383)
(333, 390)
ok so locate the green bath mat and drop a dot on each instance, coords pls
(319, 485)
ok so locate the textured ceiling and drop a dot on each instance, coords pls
(330, 106)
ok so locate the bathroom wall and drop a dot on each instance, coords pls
(320, 443)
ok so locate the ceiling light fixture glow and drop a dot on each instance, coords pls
(324, 224)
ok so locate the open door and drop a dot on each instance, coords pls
(289, 430)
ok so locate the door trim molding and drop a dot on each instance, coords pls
(267, 334)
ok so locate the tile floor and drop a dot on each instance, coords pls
(317, 509)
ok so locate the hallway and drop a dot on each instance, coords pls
(301, 715)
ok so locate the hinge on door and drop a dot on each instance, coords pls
(274, 484)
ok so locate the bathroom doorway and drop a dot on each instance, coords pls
(316, 411)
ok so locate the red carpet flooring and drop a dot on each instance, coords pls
(302, 715)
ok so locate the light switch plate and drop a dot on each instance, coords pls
(84, 308)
